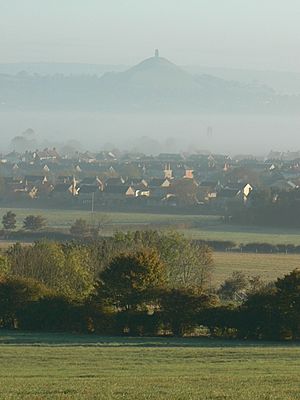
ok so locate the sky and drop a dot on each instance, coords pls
(250, 34)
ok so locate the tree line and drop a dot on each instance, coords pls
(140, 283)
(30, 223)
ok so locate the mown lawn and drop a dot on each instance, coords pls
(86, 367)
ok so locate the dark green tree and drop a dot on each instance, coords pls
(130, 279)
(80, 228)
(181, 309)
(9, 220)
(15, 293)
(288, 304)
(34, 222)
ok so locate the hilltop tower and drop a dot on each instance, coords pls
(156, 54)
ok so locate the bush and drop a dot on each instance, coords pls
(180, 309)
(15, 294)
(53, 313)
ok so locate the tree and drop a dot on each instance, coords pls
(130, 279)
(181, 309)
(234, 287)
(9, 220)
(259, 317)
(97, 228)
(192, 268)
(188, 265)
(78, 282)
(53, 313)
(5, 265)
(288, 303)
(80, 228)
(238, 286)
(66, 270)
(186, 191)
(25, 141)
(34, 222)
(15, 293)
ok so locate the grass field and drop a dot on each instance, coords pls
(35, 367)
(267, 266)
(193, 226)
(63, 219)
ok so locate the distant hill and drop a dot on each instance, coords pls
(59, 68)
(286, 82)
(155, 84)
(281, 81)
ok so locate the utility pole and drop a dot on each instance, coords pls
(92, 209)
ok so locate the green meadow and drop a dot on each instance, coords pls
(36, 367)
(193, 226)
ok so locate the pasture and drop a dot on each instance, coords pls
(193, 226)
(71, 367)
(267, 266)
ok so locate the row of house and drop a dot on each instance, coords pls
(113, 179)
(118, 190)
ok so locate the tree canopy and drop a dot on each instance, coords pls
(131, 278)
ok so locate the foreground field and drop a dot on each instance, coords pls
(86, 367)
(267, 266)
(193, 226)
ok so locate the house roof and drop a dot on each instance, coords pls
(114, 181)
(228, 192)
(61, 188)
(208, 184)
(86, 189)
(34, 178)
(90, 180)
(156, 182)
(116, 189)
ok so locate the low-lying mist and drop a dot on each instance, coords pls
(156, 133)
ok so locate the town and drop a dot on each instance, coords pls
(173, 183)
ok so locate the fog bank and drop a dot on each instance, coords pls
(152, 133)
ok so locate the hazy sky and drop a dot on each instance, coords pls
(261, 34)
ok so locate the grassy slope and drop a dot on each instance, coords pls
(82, 367)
